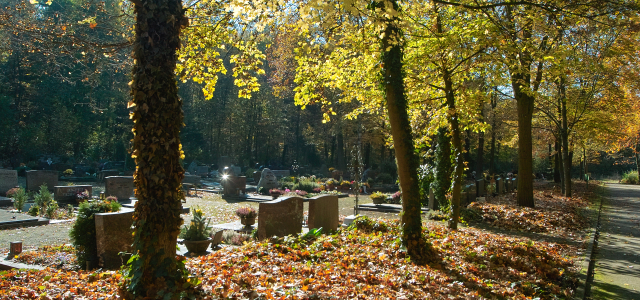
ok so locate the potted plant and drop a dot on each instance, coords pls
(196, 234)
(247, 215)
(396, 197)
(378, 197)
(345, 185)
(275, 193)
(331, 184)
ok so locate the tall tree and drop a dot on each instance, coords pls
(157, 116)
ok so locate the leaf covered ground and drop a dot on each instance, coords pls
(553, 213)
(356, 263)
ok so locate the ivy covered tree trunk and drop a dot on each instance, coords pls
(442, 180)
(157, 116)
(456, 141)
(407, 159)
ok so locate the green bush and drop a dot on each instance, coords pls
(51, 210)
(19, 199)
(306, 185)
(34, 210)
(43, 198)
(83, 232)
(630, 177)
(385, 178)
(368, 225)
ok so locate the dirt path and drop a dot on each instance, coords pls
(617, 269)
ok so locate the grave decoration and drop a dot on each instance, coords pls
(247, 216)
(196, 234)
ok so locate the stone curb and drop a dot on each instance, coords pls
(588, 262)
(8, 265)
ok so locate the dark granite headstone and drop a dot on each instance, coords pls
(323, 212)
(191, 179)
(122, 187)
(106, 173)
(280, 217)
(36, 178)
(113, 235)
(480, 188)
(67, 193)
(8, 180)
(202, 171)
(500, 186)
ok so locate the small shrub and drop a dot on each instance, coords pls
(83, 232)
(306, 185)
(384, 178)
(68, 172)
(43, 198)
(276, 192)
(377, 196)
(630, 177)
(19, 199)
(51, 210)
(11, 192)
(365, 224)
(263, 191)
(70, 210)
(34, 210)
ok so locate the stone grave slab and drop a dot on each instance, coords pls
(514, 183)
(67, 193)
(323, 212)
(280, 217)
(113, 235)
(36, 178)
(432, 200)
(122, 187)
(8, 180)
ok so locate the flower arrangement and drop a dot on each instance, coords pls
(331, 182)
(84, 196)
(318, 189)
(246, 212)
(331, 169)
(68, 172)
(301, 193)
(396, 197)
(345, 184)
(276, 193)
(198, 229)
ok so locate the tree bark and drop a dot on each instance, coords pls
(525, 145)
(564, 132)
(157, 117)
(556, 163)
(458, 164)
(406, 157)
(480, 156)
(492, 153)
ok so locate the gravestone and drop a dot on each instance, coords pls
(323, 212)
(480, 187)
(191, 179)
(464, 199)
(280, 217)
(67, 193)
(122, 187)
(223, 161)
(106, 173)
(192, 168)
(113, 235)
(236, 170)
(507, 185)
(202, 171)
(36, 178)
(268, 180)
(8, 180)
(432, 200)
(500, 186)
(471, 193)
(216, 239)
(281, 173)
(256, 176)
(514, 183)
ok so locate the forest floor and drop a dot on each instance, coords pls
(504, 252)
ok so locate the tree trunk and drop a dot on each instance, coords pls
(443, 168)
(525, 146)
(406, 157)
(492, 153)
(564, 132)
(556, 163)
(480, 156)
(340, 153)
(458, 165)
(157, 117)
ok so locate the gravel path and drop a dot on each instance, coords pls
(32, 237)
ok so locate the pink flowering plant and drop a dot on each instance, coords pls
(246, 212)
